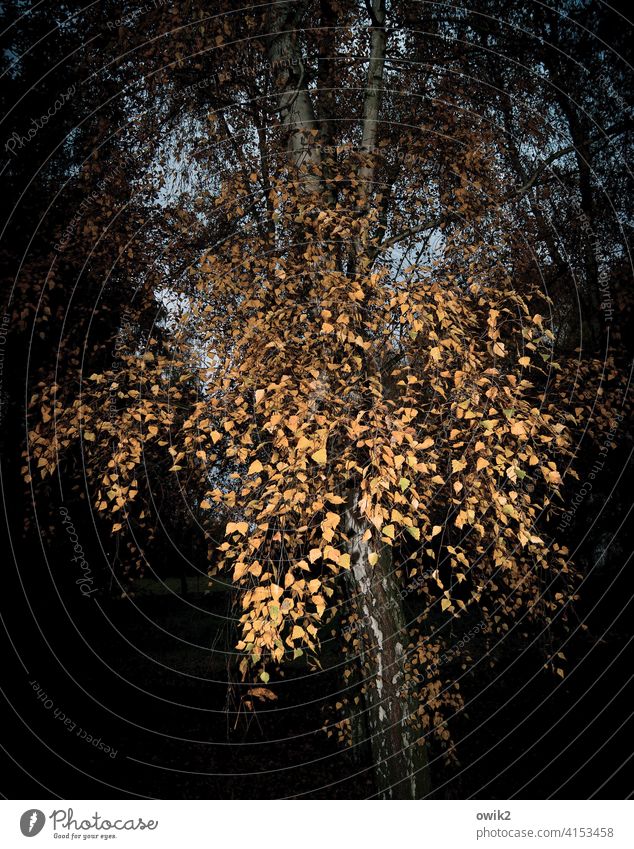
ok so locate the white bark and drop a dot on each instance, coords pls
(294, 102)
(400, 760)
(373, 92)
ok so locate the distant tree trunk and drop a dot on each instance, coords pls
(380, 636)
(579, 129)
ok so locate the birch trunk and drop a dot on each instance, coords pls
(373, 93)
(399, 758)
(295, 105)
(400, 761)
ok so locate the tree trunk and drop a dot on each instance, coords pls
(400, 760)
(373, 93)
(399, 755)
(295, 105)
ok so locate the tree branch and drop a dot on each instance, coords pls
(614, 130)
(431, 224)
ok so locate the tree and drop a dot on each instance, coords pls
(357, 371)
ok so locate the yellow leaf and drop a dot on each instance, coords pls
(239, 571)
(524, 361)
(331, 520)
(436, 530)
(331, 553)
(205, 505)
(215, 436)
(320, 604)
(461, 518)
(388, 531)
(314, 554)
(259, 394)
(445, 603)
(344, 561)
(255, 467)
(481, 464)
(373, 558)
(427, 443)
(320, 456)
(334, 499)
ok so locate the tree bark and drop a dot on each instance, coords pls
(399, 758)
(373, 93)
(295, 105)
(386, 720)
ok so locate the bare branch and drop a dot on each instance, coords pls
(615, 129)
(430, 224)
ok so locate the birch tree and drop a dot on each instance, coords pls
(356, 372)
